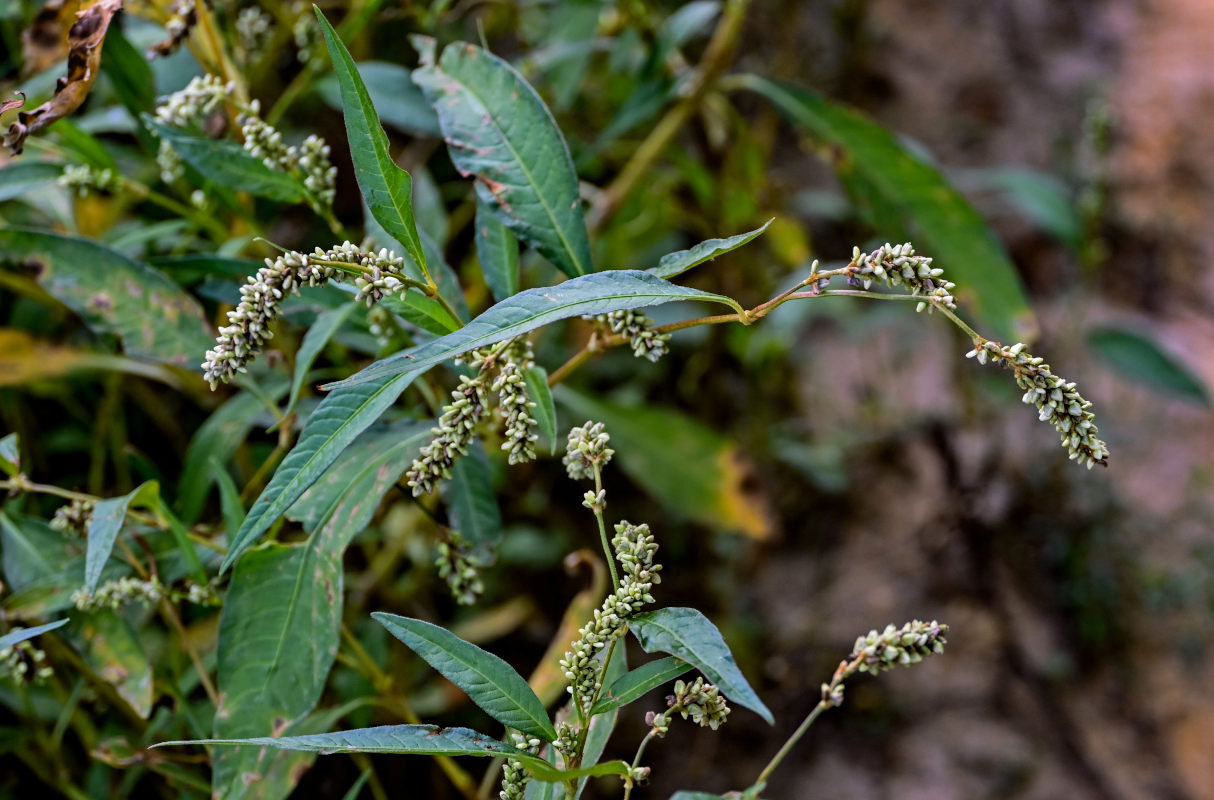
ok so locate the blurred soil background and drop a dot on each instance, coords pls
(1080, 602)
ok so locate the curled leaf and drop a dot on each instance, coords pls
(9, 105)
(84, 41)
(44, 42)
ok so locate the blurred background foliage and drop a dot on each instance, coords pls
(835, 468)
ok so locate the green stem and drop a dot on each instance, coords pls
(598, 516)
(792, 741)
(636, 760)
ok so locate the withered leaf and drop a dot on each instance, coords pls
(9, 105)
(44, 42)
(84, 40)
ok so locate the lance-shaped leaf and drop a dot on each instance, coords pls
(228, 164)
(635, 684)
(152, 316)
(1137, 357)
(428, 740)
(335, 423)
(470, 499)
(104, 524)
(314, 341)
(536, 381)
(386, 188)
(497, 252)
(689, 635)
(17, 637)
(599, 293)
(399, 102)
(10, 455)
(679, 262)
(499, 130)
(489, 681)
(909, 197)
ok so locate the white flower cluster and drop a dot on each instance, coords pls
(455, 566)
(81, 178)
(635, 549)
(455, 431)
(515, 776)
(645, 342)
(307, 35)
(248, 327)
(586, 449)
(897, 265)
(73, 517)
(252, 31)
(197, 101)
(1056, 400)
(910, 644)
(310, 158)
(117, 593)
(23, 663)
(513, 403)
(699, 701)
(184, 16)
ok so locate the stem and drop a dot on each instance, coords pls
(170, 614)
(598, 516)
(717, 57)
(636, 760)
(792, 741)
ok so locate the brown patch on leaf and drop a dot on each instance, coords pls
(9, 105)
(83, 62)
(44, 42)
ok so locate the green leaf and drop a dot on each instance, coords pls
(229, 164)
(386, 188)
(1136, 356)
(489, 681)
(1042, 198)
(916, 201)
(536, 380)
(229, 497)
(10, 455)
(397, 99)
(689, 635)
(18, 179)
(424, 312)
(152, 316)
(278, 637)
(335, 423)
(677, 263)
(428, 740)
(314, 341)
(603, 725)
(129, 73)
(497, 252)
(217, 439)
(638, 682)
(534, 308)
(111, 648)
(499, 130)
(104, 524)
(655, 445)
(40, 566)
(470, 499)
(17, 637)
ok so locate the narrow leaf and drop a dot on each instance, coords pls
(229, 497)
(536, 381)
(335, 423)
(497, 251)
(603, 725)
(916, 202)
(16, 637)
(152, 316)
(314, 341)
(386, 188)
(399, 102)
(677, 263)
(104, 525)
(689, 635)
(471, 501)
(499, 130)
(589, 294)
(229, 164)
(638, 682)
(489, 681)
(1137, 357)
(430, 740)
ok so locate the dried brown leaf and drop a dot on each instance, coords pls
(9, 105)
(44, 42)
(84, 39)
